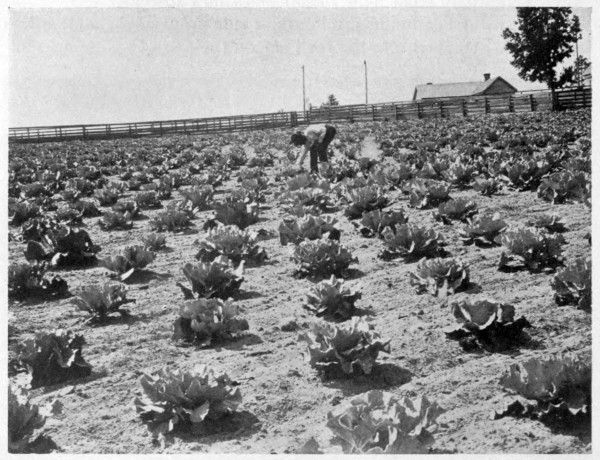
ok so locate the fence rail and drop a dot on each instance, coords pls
(444, 107)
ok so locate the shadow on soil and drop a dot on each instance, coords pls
(581, 429)
(125, 318)
(33, 301)
(240, 342)
(248, 295)
(239, 425)
(95, 375)
(382, 377)
(145, 276)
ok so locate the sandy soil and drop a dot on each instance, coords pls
(285, 401)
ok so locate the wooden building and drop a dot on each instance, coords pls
(487, 86)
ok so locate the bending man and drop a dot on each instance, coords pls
(315, 139)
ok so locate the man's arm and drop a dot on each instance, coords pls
(302, 156)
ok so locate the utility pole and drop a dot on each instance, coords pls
(303, 93)
(577, 63)
(366, 86)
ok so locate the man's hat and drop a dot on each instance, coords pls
(297, 137)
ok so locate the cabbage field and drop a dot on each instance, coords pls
(428, 292)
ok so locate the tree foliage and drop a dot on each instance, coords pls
(331, 101)
(543, 39)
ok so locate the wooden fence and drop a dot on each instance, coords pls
(446, 107)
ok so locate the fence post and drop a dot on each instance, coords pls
(511, 103)
(487, 108)
(418, 110)
(441, 109)
(464, 108)
(28, 135)
(531, 103)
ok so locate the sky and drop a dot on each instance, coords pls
(109, 65)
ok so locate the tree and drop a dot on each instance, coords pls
(544, 38)
(331, 100)
(581, 64)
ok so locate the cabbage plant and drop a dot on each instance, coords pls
(573, 284)
(378, 422)
(100, 301)
(411, 241)
(132, 259)
(24, 419)
(205, 320)
(107, 196)
(295, 230)
(331, 299)
(197, 199)
(172, 220)
(459, 174)
(487, 187)
(299, 210)
(35, 228)
(113, 220)
(65, 246)
(322, 257)
(351, 347)
(425, 194)
(532, 247)
(20, 212)
(562, 186)
(483, 230)
(147, 199)
(390, 175)
(550, 222)
(237, 213)
(456, 209)
(488, 324)
(228, 240)
(440, 276)
(363, 200)
(307, 197)
(29, 281)
(154, 241)
(86, 208)
(69, 216)
(526, 174)
(559, 387)
(305, 180)
(175, 399)
(53, 357)
(218, 278)
(374, 222)
(127, 206)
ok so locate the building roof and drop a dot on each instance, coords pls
(456, 89)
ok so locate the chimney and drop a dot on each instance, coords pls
(486, 76)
